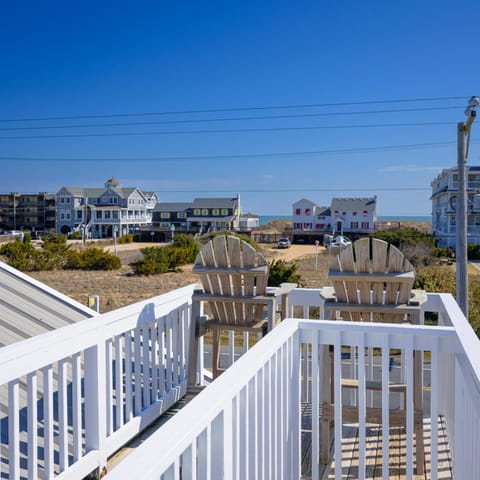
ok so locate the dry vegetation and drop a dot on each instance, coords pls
(120, 287)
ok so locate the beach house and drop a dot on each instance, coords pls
(444, 203)
(103, 212)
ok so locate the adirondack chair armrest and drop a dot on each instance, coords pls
(418, 297)
(328, 294)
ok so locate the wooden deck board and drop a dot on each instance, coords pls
(373, 460)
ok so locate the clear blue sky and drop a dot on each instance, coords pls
(73, 59)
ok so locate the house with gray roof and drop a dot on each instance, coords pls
(103, 212)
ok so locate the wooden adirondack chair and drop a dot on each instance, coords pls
(372, 282)
(234, 278)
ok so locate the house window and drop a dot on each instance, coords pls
(204, 211)
(215, 211)
(224, 211)
(67, 215)
(79, 214)
(365, 224)
(107, 214)
(115, 214)
(307, 211)
(62, 215)
(98, 214)
(297, 211)
(196, 211)
(181, 215)
(165, 215)
(476, 220)
(354, 225)
(62, 200)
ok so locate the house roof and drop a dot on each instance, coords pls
(29, 308)
(215, 202)
(171, 206)
(350, 204)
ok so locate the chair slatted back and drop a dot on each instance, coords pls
(371, 272)
(232, 269)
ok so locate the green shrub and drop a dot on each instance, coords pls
(155, 260)
(58, 238)
(282, 272)
(127, 238)
(443, 252)
(75, 235)
(473, 251)
(92, 259)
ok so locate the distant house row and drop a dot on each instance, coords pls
(114, 209)
(343, 216)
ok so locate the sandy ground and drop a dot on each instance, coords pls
(120, 287)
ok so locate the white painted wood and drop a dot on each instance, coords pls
(385, 407)
(76, 407)
(48, 425)
(13, 430)
(434, 410)
(32, 425)
(109, 386)
(362, 407)
(62, 415)
(128, 377)
(119, 396)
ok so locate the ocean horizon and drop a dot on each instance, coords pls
(264, 219)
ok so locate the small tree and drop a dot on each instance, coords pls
(282, 272)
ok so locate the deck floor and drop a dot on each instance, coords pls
(373, 461)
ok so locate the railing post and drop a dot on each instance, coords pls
(95, 401)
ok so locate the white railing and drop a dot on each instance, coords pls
(72, 397)
(247, 423)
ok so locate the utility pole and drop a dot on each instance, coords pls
(463, 140)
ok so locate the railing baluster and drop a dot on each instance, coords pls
(315, 407)
(168, 363)
(385, 407)
(76, 406)
(434, 374)
(362, 407)
(161, 357)
(62, 415)
(137, 366)
(337, 369)
(109, 385)
(48, 425)
(146, 364)
(13, 430)
(119, 381)
(128, 377)
(32, 425)
(409, 363)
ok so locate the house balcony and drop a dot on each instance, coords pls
(73, 397)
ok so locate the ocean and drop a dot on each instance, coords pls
(264, 219)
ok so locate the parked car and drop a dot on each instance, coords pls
(340, 241)
(283, 243)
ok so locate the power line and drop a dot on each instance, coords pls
(235, 109)
(238, 130)
(380, 148)
(227, 119)
(303, 189)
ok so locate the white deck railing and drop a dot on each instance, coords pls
(72, 397)
(247, 423)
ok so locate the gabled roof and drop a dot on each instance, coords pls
(215, 202)
(305, 200)
(351, 204)
(172, 206)
(29, 308)
(324, 211)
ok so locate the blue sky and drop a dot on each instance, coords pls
(220, 62)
